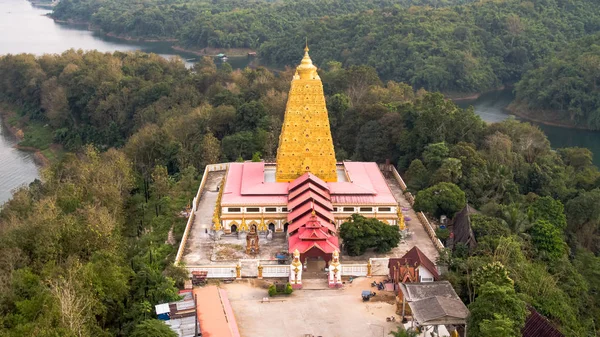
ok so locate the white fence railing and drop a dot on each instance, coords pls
(354, 269)
(276, 271)
(215, 271)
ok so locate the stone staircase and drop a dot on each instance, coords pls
(314, 284)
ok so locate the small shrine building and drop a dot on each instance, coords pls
(306, 192)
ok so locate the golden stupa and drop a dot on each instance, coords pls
(305, 143)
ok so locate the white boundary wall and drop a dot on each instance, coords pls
(223, 271)
(188, 226)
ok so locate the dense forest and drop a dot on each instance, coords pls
(86, 251)
(448, 46)
(565, 88)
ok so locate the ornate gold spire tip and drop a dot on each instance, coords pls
(306, 46)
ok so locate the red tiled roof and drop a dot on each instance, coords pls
(302, 221)
(537, 325)
(310, 217)
(309, 207)
(327, 246)
(313, 187)
(308, 177)
(245, 185)
(415, 257)
(309, 195)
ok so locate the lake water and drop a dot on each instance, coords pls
(491, 107)
(25, 29)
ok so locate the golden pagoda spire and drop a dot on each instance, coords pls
(305, 143)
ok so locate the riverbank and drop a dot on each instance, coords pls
(42, 157)
(208, 51)
(92, 28)
(230, 52)
(548, 117)
(471, 96)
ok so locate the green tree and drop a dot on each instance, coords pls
(434, 155)
(549, 209)
(450, 171)
(498, 326)
(211, 149)
(153, 328)
(440, 199)
(548, 240)
(583, 217)
(360, 233)
(417, 176)
(494, 273)
(494, 303)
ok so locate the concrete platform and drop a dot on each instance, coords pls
(320, 312)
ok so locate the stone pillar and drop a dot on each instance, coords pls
(335, 271)
(260, 271)
(296, 271)
(369, 268)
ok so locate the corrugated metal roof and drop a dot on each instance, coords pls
(537, 325)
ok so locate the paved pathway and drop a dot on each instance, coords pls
(419, 237)
(193, 253)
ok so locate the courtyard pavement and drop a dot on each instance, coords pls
(320, 312)
(194, 252)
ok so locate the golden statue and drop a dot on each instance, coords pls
(305, 143)
(243, 225)
(401, 223)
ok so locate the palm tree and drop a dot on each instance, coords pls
(517, 220)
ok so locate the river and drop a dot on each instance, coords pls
(491, 107)
(25, 29)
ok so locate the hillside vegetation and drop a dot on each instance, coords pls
(85, 252)
(566, 86)
(449, 46)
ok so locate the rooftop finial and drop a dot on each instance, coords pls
(306, 45)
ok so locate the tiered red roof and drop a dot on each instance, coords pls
(310, 218)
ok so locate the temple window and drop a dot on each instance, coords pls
(270, 209)
(284, 209)
(234, 209)
(384, 209)
(252, 209)
(366, 209)
(348, 209)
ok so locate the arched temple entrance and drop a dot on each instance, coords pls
(233, 228)
(272, 227)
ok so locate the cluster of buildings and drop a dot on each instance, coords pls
(306, 195)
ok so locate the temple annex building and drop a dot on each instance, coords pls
(302, 198)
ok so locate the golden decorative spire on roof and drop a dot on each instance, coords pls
(305, 143)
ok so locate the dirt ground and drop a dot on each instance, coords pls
(320, 312)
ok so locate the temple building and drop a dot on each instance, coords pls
(306, 193)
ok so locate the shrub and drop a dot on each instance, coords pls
(288, 289)
(272, 290)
